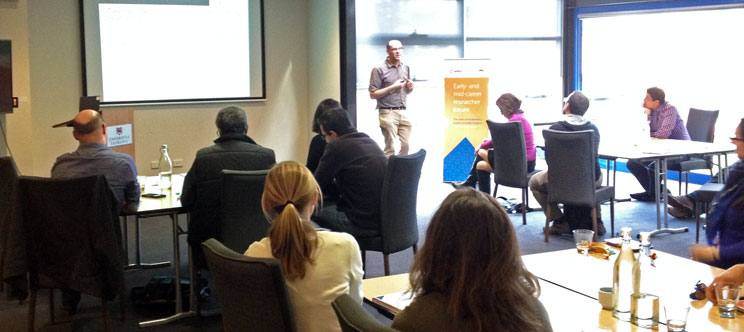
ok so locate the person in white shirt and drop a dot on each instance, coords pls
(318, 265)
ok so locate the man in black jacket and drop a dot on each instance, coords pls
(354, 165)
(233, 150)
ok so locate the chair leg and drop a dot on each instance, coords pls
(594, 223)
(687, 182)
(679, 182)
(387, 265)
(51, 306)
(697, 221)
(31, 309)
(524, 206)
(547, 223)
(612, 218)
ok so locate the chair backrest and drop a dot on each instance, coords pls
(241, 220)
(353, 318)
(252, 291)
(570, 156)
(398, 224)
(71, 232)
(701, 125)
(8, 177)
(509, 154)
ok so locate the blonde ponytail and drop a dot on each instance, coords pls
(289, 188)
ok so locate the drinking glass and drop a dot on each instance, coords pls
(583, 238)
(676, 316)
(727, 294)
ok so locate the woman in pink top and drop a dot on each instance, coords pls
(480, 173)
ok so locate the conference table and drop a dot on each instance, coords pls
(660, 151)
(170, 205)
(569, 284)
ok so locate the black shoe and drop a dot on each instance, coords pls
(643, 197)
(682, 202)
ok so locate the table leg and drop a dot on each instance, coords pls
(138, 251)
(664, 196)
(177, 274)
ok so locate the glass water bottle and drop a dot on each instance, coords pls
(644, 306)
(622, 278)
(165, 168)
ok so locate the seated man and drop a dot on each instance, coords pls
(665, 123)
(355, 165)
(575, 217)
(233, 150)
(94, 157)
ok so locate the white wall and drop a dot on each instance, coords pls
(47, 69)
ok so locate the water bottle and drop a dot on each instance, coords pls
(165, 168)
(622, 278)
(644, 306)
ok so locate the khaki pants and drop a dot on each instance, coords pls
(539, 187)
(395, 124)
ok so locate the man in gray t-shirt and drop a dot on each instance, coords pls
(389, 84)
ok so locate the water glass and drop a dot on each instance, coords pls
(583, 238)
(727, 294)
(676, 316)
(644, 310)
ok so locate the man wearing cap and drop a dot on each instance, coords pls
(390, 84)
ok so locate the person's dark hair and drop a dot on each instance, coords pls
(509, 103)
(86, 128)
(656, 94)
(471, 256)
(336, 119)
(231, 120)
(578, 103)
(324, 105)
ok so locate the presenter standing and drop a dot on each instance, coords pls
(390, 84)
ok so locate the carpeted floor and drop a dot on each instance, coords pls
(157, 246)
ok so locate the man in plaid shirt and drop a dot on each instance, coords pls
(665, 123)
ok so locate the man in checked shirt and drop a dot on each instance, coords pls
(665, 123)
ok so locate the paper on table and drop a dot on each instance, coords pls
(394, 302)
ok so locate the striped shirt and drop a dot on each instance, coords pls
(666, 123)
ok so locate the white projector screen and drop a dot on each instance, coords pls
(140, 51)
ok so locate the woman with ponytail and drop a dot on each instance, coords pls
(318, 265)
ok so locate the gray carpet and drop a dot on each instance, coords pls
(157, 246)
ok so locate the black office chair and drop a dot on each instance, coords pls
(571, 174)
(701, 125)
(69, 230)
(703, 197)
(8, 178)
(510, 159)
(398, 222)
(353, 318)
(252, 291)
(242, 221)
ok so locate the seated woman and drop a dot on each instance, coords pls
(725, 232)
(480, 173)
(469, 275)
(318, 265)
(318, 143)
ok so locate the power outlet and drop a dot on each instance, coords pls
(177, 162)
(154, 164)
